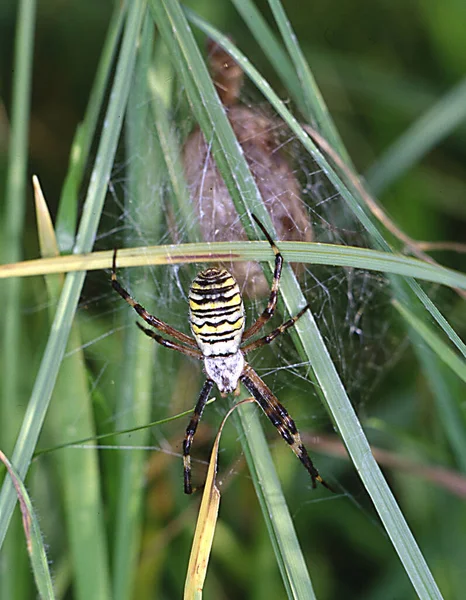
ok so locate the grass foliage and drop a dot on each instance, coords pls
(115, 521)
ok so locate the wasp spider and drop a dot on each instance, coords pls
(217, 319)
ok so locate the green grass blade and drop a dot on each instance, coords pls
(13, 352)
(449, 410)
(71, 414)
(134, 396)
(34, 540)
(280, 525)
(79, 155)
(423, 135)
(54, 351)
(434, 341)
(12, 231)
(317, 111)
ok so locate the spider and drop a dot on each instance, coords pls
(217, 319)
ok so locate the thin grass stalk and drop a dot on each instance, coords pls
(14, 558)
(316, 109)
(135, 389)
(269, 44)
(80, 148)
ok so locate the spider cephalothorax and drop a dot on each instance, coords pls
(217, 321)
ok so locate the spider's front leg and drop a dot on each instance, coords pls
(152, 320)
(190, 431)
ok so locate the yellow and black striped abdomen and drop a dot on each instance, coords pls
(216, 312)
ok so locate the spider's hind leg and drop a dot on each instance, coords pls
(280, 418)
(190, 431)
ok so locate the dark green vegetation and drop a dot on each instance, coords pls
(115, 519)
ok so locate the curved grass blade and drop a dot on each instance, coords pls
(303, 252)
(71, 414)
(206, 522)
(34, 541)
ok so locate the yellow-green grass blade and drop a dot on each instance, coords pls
(55, 348)
(71, 414)
(303, 252)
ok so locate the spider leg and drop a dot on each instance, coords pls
(191, 430)
(267, 339)
(279, 416)
(142, 312)
(272, 303)
(169, 344)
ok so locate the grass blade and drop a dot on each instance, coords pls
(34, 541)
(135, 389)
(423, 135)
(434, 341)
(304, 252)
(71, 414)
(13, 350)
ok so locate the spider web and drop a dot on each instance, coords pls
(350, 305)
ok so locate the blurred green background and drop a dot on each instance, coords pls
(380, 66)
